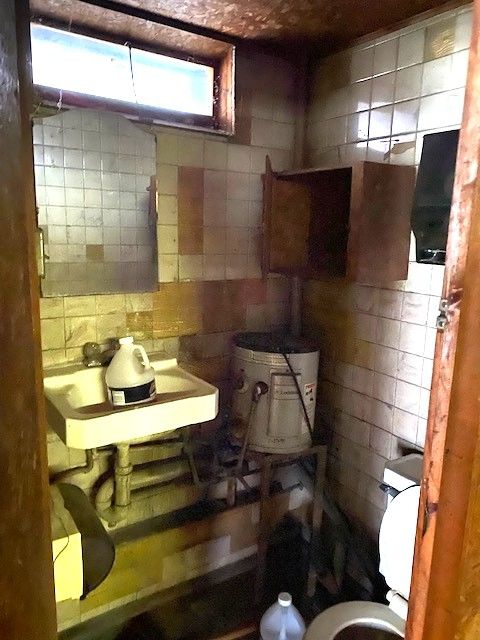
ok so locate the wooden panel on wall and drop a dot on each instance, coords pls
(27, 608)
(287, 221)
(379, 239)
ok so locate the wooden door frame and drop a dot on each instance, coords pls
(27, 601)
(445, 588)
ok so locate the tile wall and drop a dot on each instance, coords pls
(376, 102)
(92, 177)
(208, 234)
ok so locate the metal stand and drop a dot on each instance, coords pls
(268, 461)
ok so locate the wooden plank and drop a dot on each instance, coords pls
(286, 219)
(27, 607)
(445, 592)
(379, 238)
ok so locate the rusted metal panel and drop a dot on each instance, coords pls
(445, 593)
(27, 608)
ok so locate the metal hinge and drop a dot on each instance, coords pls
(442, 319)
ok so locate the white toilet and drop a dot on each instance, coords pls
(372, 620)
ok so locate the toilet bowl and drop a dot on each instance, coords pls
(356, 616)
(372, 620)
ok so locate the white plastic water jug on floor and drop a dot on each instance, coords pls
(282, 621)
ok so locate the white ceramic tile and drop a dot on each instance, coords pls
(215, 155)
(410, 367)
(463, 30)
(412, 338)
(441, 110)
(405, 425)
(421, 432)
(419, 278)
(388, 332)
(385, 56)
(238, 186)
(357, 126)
(405, 116)
(238, 158)
(437, 75)
(383, 388)
(407, 397)
(237, 214)
(433, 310)
(390, 303)
(361, 64)
(360, 96)
(430, 340)
(415, 308)
(386, 360)
(427, 373)
(382, 90)
(410, 48)
(408, 83)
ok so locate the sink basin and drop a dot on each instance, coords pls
(78, 409)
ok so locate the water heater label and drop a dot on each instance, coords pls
(309, 391)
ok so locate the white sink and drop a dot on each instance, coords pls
(78, 409)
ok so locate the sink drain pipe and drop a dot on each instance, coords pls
(123, 475)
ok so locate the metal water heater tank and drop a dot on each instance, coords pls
(276, 420)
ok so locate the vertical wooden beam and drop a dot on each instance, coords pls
(27, 603)
(445, 593)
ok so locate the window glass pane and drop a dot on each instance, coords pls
(68, 61)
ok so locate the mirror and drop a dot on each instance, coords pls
(95, 192)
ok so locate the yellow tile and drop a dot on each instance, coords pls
(80, 306)
(138, 302)
(112, 325)
(53, 357)
(80, 330)
(440, 39)
(51, 307)
(140, 324)
(53, 333)
(111, 303)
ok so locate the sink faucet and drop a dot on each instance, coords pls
(95, 357)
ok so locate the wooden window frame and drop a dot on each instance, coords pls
(221, 121)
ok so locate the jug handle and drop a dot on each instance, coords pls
(143, 355)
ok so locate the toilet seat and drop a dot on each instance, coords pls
(369, 614)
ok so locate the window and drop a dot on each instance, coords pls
(111, 73)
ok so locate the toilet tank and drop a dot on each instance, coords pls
(277, 424)
(403, 472)
(398, 528)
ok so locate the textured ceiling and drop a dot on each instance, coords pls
(287, 25)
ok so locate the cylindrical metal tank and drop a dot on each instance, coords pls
(276, 424)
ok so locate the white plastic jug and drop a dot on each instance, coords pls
(130, 380)
(282, 621)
